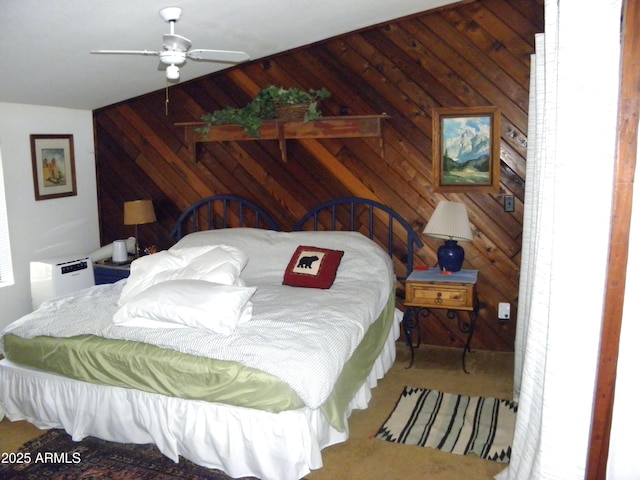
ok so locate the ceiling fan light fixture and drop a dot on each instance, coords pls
(173, 72)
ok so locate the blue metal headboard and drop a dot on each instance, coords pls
(376, 210)
(217, 211)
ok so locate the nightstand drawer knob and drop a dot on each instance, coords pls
(438, 298)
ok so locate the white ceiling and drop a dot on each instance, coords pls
(45, 44)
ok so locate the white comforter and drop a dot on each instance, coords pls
(302, 336)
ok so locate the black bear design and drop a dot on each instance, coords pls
(305, 262)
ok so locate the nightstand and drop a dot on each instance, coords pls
(108, 272)
(431, 289)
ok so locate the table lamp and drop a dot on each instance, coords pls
(450, 222)
(138, 212)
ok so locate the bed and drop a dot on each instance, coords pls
(305, 324)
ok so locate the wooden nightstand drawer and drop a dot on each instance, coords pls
(427, 290)
(455, 296)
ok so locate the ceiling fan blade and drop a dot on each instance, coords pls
(223, 56)
(172, 41)
(126, 52)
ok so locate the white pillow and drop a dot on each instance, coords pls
(188, 303)
(214, 263)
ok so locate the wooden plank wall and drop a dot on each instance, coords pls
(473, 54)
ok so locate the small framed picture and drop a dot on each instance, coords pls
(54, 168)
(466, 150)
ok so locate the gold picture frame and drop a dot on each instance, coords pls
(466, 149)
(54, 168)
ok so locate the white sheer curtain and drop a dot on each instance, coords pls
(570, 164)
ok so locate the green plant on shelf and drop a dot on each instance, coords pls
(265, 107)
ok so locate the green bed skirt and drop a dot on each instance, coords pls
(140, 366)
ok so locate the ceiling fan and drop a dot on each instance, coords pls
(175, 49)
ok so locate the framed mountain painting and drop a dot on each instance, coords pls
(466, 149)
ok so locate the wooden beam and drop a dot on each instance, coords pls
(628, 114)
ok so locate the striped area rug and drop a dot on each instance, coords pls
(452, 423)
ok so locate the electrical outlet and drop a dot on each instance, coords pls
(504, 311)
(509, 203)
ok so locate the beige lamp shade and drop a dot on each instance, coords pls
(139, 212)
(450, 222)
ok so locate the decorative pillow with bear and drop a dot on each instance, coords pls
(312, 267)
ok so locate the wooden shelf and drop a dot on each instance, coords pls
(358, 126)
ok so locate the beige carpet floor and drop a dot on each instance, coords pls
(362, 456)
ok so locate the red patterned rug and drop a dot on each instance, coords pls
(56, 456)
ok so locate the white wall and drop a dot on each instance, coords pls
(46, 228)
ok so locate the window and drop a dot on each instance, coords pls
(6, 272)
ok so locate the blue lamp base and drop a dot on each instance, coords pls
(450, 256)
